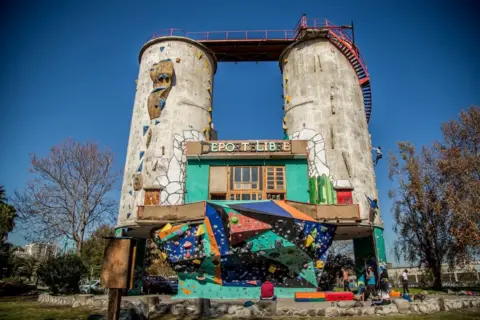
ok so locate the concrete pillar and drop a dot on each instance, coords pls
(173, 105)
(324, 105)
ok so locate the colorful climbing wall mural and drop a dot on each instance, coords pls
(239, 244)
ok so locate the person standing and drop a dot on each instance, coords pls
(345, 279)
(371, 281)
(405, 281)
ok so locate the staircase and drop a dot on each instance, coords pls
(353, 56)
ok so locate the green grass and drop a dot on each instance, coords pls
(21, 308)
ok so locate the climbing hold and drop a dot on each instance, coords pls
(196, 261)
(141, 154)
(157, 122)
(140, 167)
(209, 109)
(128, 215)
(199, 55)
(176, 243)
(161, 49)
(309, 241)
(201, 278)
(163, 255)
(166, 227)
(187, 245)
(278, 243)
(187, 255)
(149, 138)
(272, 268)
(234, 219)
(177, 60)
(131, 192)
(285, 60)
(287, 98)
(145, 129)
(319, 264)
(200, 230)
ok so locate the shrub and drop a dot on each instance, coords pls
(62, 274)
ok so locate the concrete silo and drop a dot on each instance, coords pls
(324, 104)
(173, 104)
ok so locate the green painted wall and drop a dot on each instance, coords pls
(297, 181)
(197, 182)
(296, 172)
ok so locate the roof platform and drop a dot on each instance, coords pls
(267, 45)
(345, 217)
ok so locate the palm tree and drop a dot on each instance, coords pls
(2, 195)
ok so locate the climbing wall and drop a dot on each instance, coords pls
(173, 105)
(240, 244)
(323, 103)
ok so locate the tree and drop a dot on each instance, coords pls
(331, 270)
(7, 223)
(93, 249)
(459, 164)
(155, 264)
(25, 266)
(69, 195)
(62, 274)
(421, 212)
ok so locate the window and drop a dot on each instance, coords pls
(275, 179)
(245, 178)
(256, 183)
(152, 197)
(344, 197)
(218, 196)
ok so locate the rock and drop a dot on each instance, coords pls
(390, 309)
(379, 310)
(345, 304)
(403, 305)
(256, 310)
(76, 304)
(321, 312)
(267, 306)
(279, 312)
(312, 312)
(466, 303)
(414, 308)
(162, 309)
(178, 310)
(232, 310)
(141, 308)
(441, 304)
(222, 309)
(151, 302)
(83, 298)
(425, 293)
(423, 308)
(353, 312)
(332, 312)
(301, 313)
(368, 311)
(244, 313)
(190, 309)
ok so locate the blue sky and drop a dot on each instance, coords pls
(69, 70)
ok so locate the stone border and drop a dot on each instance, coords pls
(152, 305)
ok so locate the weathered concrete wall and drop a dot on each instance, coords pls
(324, 104)
(179, 112)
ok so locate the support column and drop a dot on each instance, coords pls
(369, 251)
